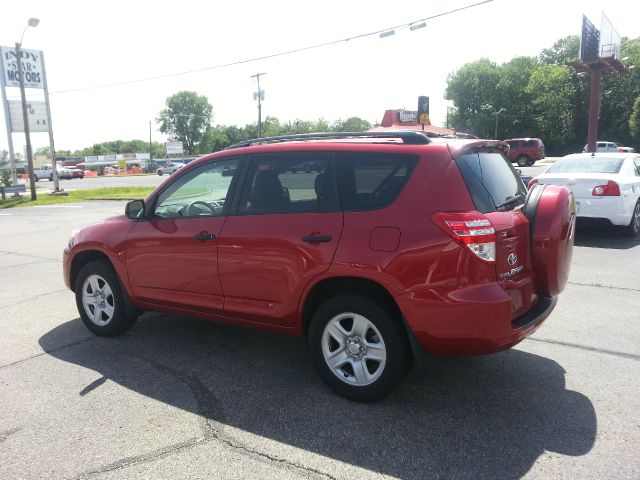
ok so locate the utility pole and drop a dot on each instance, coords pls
(32, 181)
(260, 97)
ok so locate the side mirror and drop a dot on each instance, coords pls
(134, 209)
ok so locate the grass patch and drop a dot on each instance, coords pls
(115, 193)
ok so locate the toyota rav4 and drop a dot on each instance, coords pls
(375, 247)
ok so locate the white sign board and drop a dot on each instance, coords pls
(31, 67)
(408, 116)
(174, 148)
(36, 115)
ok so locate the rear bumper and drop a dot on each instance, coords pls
(613, 209)
(475, 320)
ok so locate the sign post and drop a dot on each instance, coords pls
(423, 111)
(5, 105)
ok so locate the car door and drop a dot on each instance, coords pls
(284, 233)
(172, 256)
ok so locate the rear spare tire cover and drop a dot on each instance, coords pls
(551, 210)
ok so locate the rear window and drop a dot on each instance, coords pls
(491, 181)
(588, 164)
(369, 181)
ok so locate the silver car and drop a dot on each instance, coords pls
(169, 168)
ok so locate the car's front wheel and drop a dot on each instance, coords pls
(357, 347)
(522, 161)
(160, 172)
(633, 228)
(101, 301)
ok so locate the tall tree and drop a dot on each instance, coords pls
(473, 91)
(186, 118)
(564, 50)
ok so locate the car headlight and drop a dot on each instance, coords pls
(72, 239)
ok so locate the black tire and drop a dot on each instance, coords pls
(522, 161)
(387, 375)
(124, 314)
(531, 162)
(633, 228)
(160, 173)
(51, 178)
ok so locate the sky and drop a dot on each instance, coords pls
(93, 44)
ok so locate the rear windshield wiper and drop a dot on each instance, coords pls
(509, 201)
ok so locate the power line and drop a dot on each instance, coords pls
(273, 55)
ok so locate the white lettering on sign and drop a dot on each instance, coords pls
(408, 116)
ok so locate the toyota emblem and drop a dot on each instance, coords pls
(512, 259)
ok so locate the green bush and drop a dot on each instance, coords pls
(5, 177)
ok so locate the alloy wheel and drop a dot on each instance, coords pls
(97, 300)
(354, 349)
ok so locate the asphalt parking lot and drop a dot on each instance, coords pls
(182, 398)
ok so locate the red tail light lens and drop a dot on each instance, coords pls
(611, 189)
(471, 229)
(532, 183)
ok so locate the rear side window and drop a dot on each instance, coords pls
(292, 182)
(370, 181)
(491, 181)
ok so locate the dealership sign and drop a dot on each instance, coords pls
(36, 113)
(32, 67)
(174, 148)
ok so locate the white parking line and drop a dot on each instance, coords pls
(5, 214)
(58, 206)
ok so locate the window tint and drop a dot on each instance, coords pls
(289, 183)
(491, 180)
(201, 192)
(529, 143)
(369, 181)
(588, 164)
(514, 144)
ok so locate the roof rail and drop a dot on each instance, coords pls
(407, 136)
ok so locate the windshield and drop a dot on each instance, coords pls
(491, 180)
(587, 165)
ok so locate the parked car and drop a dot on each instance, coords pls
(46, 172)
(525, 151)
(609, 147)
(76, 172)
(170, 168)
(392, 245)
(606, 186)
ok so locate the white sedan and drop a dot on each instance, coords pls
(606, 186)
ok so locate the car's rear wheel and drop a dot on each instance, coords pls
(357, 347)
(522, 161)
(102, 303)
(633, 228)
(160, 172)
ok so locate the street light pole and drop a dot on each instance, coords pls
(257, 77)
(495, 135)
(32, 181)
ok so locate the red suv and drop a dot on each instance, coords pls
(375, 249)
(525, 151)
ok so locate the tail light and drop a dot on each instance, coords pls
(611, 189)
(532, 183)
(471, 229)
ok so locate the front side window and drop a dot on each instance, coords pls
(201, 192)
(370, 180)
(290, 182)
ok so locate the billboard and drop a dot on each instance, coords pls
(589, 41)
(609, 40)
(36, 116)
(31, 67)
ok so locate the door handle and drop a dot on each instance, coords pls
(316, 239)
(204, 236)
